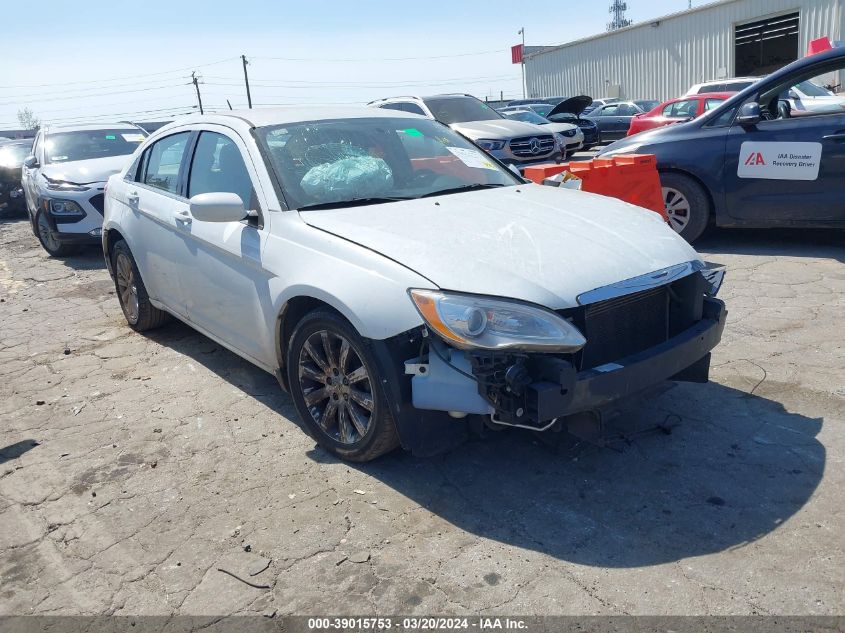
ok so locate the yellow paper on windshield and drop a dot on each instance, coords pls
(472, 158)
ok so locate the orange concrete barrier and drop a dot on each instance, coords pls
(632, 178)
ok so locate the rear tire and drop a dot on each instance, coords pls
(47, 237)
(141, 315)
(686, 204)
(337, 388)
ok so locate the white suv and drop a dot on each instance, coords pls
(735, 84)
(396, 280)
(511, 142)
(64, 178)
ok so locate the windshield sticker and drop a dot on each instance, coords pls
(412, 132)
(472, 158)
(133, 137)
(779, 161)
(110, 137)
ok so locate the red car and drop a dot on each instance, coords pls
(677, 110)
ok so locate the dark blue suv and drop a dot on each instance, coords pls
(770, 156)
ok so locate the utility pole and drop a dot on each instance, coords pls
(522, 65)
(246, 81)
(197, 86)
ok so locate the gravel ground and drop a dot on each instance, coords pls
(133, 468)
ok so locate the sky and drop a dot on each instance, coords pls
(101, 60)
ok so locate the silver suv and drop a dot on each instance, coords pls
(511, 142)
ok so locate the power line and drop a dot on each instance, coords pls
(77, 92)
(123, 114)
(90, 95)
(380, 85)
(99, 105)
(123, 78)
(379, 59)
(353, 84)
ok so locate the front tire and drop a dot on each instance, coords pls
(337, 388)
(686, 204)
(47, 237)
(141, 315)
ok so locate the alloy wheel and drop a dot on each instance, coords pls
(677, 208)
(336, 386)
(46, 234)
(127, 287)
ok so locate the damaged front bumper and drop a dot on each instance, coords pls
(562, 391)
(536, 390)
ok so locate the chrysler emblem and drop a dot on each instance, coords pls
(534, 146)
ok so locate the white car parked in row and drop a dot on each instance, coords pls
(396, 280)
(64, 179)
(802, 98)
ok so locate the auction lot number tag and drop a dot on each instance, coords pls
(779, 161)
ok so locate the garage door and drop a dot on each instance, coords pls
(764, 46)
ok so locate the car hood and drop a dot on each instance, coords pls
(573, 105)
(539, 244)
(83, 172)
(499, 129)
(559, 127)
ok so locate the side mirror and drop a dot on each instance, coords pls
(217, 206)
(30, 162)
(793, 95)
(749, 114)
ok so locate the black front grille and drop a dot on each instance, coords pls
(98, 202)
(619, 327)
(532, 145)
(630, 324)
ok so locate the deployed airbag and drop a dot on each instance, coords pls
(356, 176)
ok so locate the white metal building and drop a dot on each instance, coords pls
(662, 58)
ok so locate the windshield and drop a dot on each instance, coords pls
(86, 144)
(13, 154)
(527, 117)
(347, 161)
(542, 109)
(647, 104)
(451, 110)
(812, 90)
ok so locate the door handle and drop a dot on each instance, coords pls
(183, 216)
(839, 136)
(132, 198)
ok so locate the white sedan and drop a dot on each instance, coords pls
(396, 279)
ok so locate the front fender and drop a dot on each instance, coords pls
(368, 289)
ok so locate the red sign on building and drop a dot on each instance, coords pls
(516, 54)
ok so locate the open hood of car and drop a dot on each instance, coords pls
(539, 244)
(573, 105)
(85, 172)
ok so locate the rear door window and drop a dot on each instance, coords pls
(162, 161)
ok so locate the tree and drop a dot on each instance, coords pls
(28, 120)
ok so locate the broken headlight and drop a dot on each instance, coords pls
(474, 322)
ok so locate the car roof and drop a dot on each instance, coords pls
(711, 95)
(117, 125)
(260, 117)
